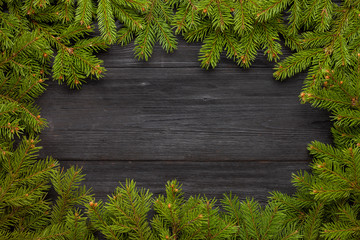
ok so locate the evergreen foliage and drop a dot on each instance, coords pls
(125, 217)
(25, 210)
(42, 39)
(233, 26)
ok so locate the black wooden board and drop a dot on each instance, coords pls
(168, 118)
(181, 114)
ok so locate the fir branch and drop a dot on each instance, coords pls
(273, 48)
(144, 42)
(182, 21)
(250, 211)
(223, 16)
(296, 63)
(99, 222)
(166, 38)
(199, 33)
(15, 54)
(211, 50)
(326, 16)
(27, 110)
(243, 20)
(66, 184)
(250, 45)
(272, 8)
(106, 21)
(125, 36)
(295, 17)
(314, 222)
(310, 13)
(84, 12)
(232, 46)
(53, 236)
(343, 57)
(132, 21)
(347, 117)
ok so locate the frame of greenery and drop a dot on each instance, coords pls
(42, 38)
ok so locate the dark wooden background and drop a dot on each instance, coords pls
(216, 131)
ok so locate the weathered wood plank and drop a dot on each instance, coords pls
(181, 114)
(245, 179)
(215, 131)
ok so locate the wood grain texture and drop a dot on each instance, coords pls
(245, 179)
(181, 114)
(226, 129)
